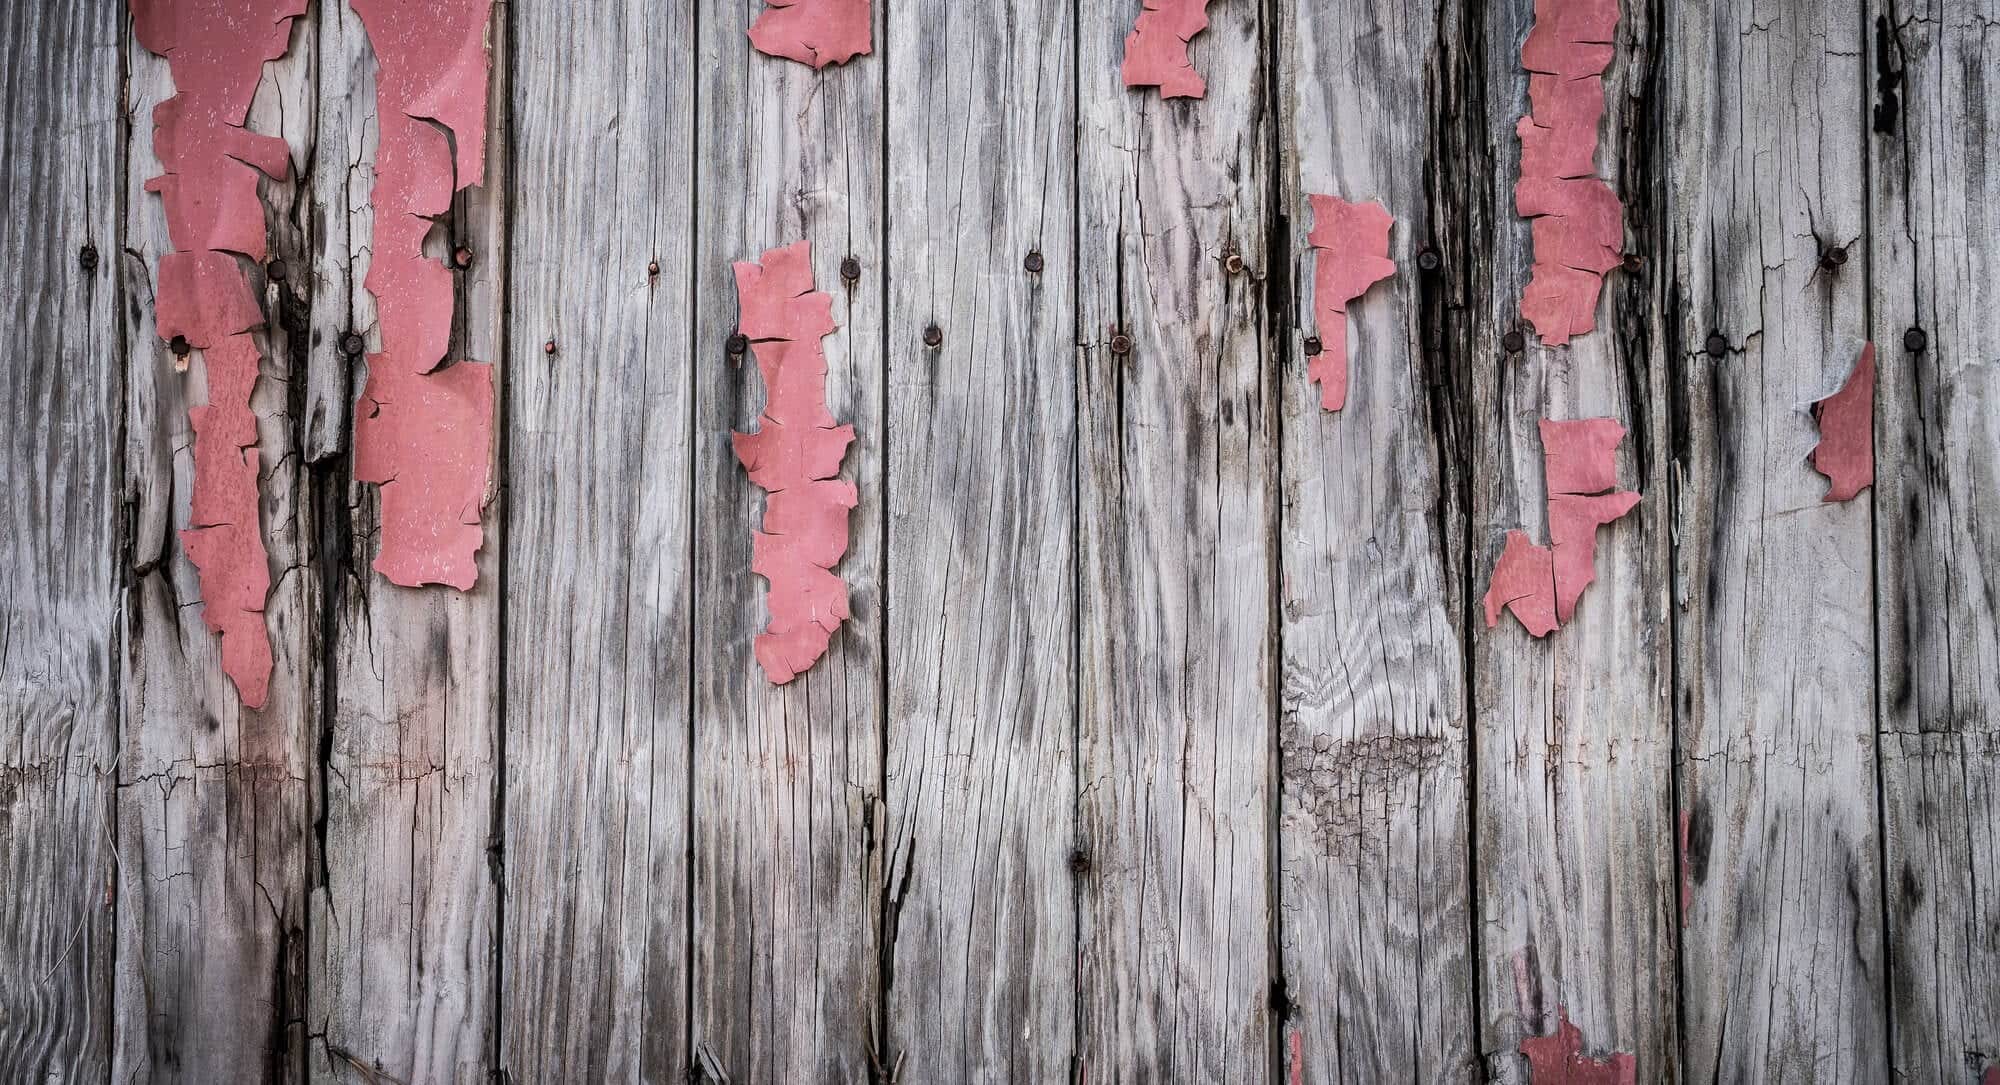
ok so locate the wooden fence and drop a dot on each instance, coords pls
(1169, 742)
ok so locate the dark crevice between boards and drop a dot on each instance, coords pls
(1076, 445)
(501, 115)
(126, 563)
(883, 1066)
(1274, 346)
(696, 1071)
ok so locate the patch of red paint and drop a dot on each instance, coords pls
(1991, 1076)
(1846, 450)
(815, 32)
(1298, 1061)
(1578, 223)
(795, 458)
(1542, 585)
(1156, 51)
(216, 50)
(1559, 1059)
(1351, 243)
(424, 434)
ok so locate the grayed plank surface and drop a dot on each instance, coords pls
(1782, 970)
(405, 905)
(981, 777)
(1177, 550)
(1935, 254)
(787, 780)
(62, 541)
(214, 799)
(1573, 752)
(595, 918)
(1372, 725)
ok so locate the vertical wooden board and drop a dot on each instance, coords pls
(59, 595)
(1934, 256)
(405, 905)
(1177, 550)
(981, 791)
(1372, 754)
(597, 453)
(787, 779)
(1573, 750)
(1775, 670)
(214, 800)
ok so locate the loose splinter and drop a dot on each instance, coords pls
(815, 32)
(216, 50)
(1542, 584)
(1351, 243)
(795, 458)
(1156, 51)
(1846, 450)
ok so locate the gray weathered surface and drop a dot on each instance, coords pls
(1782, 971)
(61, 525)
(1936, 267)
(981, 785)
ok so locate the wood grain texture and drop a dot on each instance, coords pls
(63, 537)
(1934, 256)
(405, 901)
(214, 799)
(1573, 752)
(787, 784)
(1177, 553)
(1372, 733)
(594, 952)
(1782, 969)
(981, 791)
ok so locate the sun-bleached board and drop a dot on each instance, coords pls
(214, 822)
(1177, 549)
(1573, 743)
(1935, 265)
(597, 456)
(981, 797)
(405, 895)
(1782, 972)
(1372, 757)
(60, 552)
(786, 779)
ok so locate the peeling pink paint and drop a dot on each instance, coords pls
(1991, 1076)
(1846, 450)
(1351, 243)
(1298, 1060)
(815, 32)
(1559, 1059)
(216, 50)
(1577, 221)
(1542, 585)
(423, 431)
(1156, 51)
(795, 457)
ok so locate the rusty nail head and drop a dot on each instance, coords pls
(352, 344)
(850, 269)
(1915, 340)
(179, 345)
(462, 257)
(737, 344)
(1716, 345)
(549, 347)
(276, 271)
(933, 335)
(1234, 263)
(87, 256)
(653, 267)
(1833, 257)
(1428, 259)
(1121, 343)
(1313, 346)
(1034, 261)
(1633, 262)
(1513, 342)
(1839, 254)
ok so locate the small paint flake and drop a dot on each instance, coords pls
(1559, 1059)
(1351, 246)
(794, 456)
(814, 32)
(1542, 585)
(1156, 51)
(1846, 450)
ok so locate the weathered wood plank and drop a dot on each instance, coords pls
(981, 793)
(405, 906)
(1775, 675)
(1934, 260)
(214, 799)
(1177, 552)
(62, 139)
(1372, 754)
(787, 780)
(597, 459)
(1573, 749)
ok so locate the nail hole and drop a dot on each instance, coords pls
(179, 345)
(87, 257)
(1513, 342)
(352, 345)
(850, 269)
(933, 335)
(1121, 344)
(1915, 340)
(1428, 260)
(737, 343)
(1033, 262)
(462, 258)
(1716, 345)
(1313, 346)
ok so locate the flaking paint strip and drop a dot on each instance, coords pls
(1350, 242)
(1542, 585)
(1558, 1059)
(1846, 450)
(814, 32)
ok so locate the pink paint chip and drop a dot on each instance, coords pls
(1523, 582)
(1542, 585)
(1351, 246)
(1559, 1059)
(794, 456)
(814, 32)
(1846, 450)
(1156, 51)
(423, 430)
